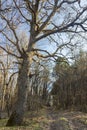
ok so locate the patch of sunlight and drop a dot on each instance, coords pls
(83, 120)
(63, 119)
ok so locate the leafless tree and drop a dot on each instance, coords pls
(40, 19)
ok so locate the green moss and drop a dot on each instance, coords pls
(3, 122)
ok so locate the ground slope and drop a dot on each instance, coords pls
(49, 119)
(67, 120)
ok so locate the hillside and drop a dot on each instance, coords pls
(49, 119)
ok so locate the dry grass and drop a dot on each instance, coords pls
(33, 121)
(47, 119)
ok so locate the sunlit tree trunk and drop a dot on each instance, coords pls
(16, 117)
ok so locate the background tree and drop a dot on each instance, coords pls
(38, 86)
(71, 85)
(6, 74)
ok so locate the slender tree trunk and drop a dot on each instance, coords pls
(16, 117)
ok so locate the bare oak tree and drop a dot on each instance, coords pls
(40, 19)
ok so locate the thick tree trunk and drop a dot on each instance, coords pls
(16, 117)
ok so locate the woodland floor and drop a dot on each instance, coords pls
(49, 119)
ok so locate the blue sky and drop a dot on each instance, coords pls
(44, 43)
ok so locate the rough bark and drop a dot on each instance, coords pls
(16, 117)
